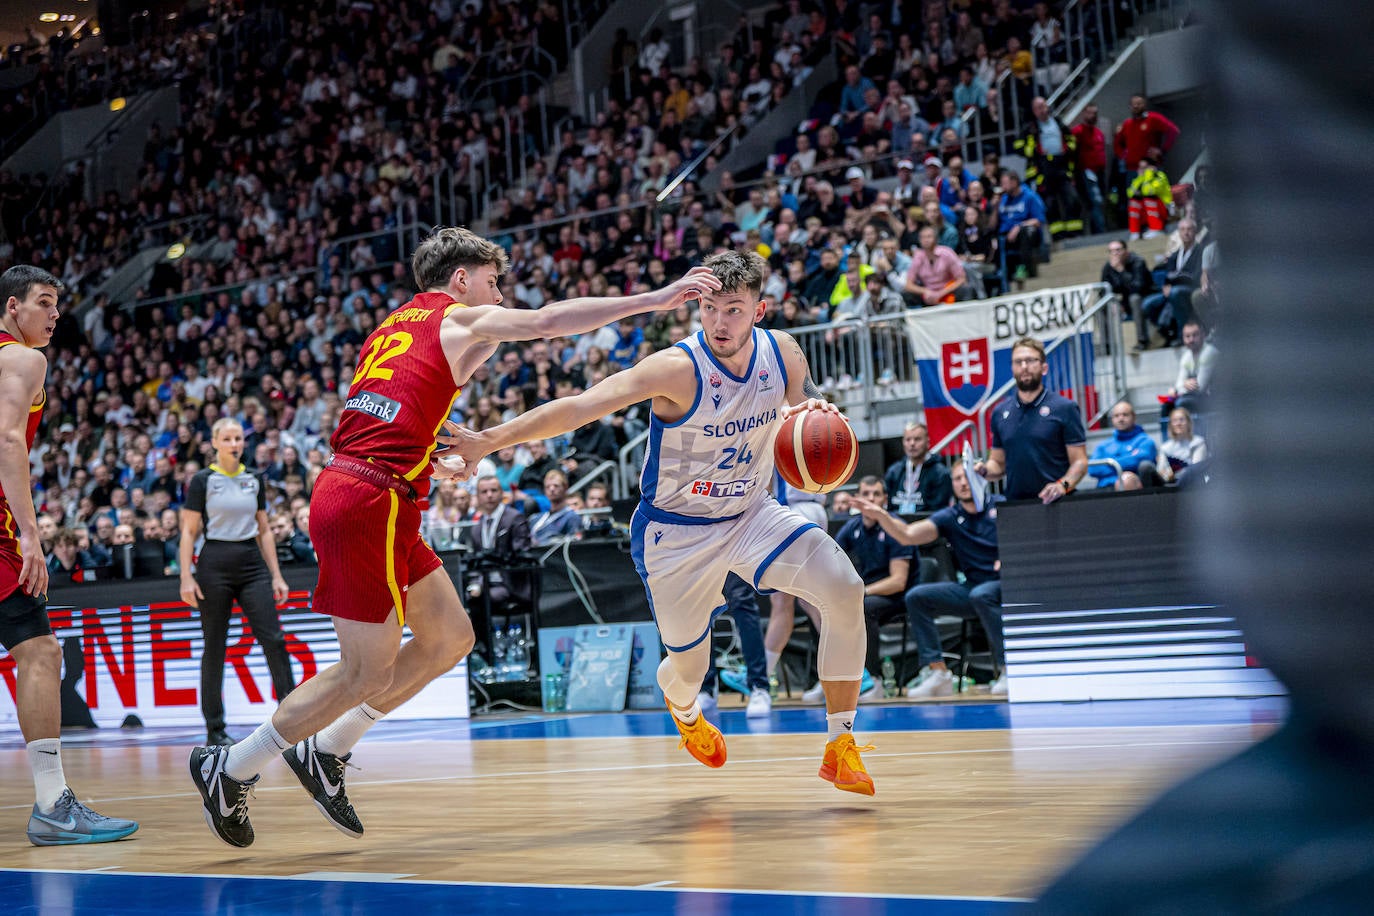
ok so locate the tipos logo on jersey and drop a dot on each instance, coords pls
(721, 488)
(374, 405)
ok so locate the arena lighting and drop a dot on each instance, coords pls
(118, 104)
(47, 17)
(176, 250)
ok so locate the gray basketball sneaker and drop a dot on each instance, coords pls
(225, 798)
(322, 775)
(70, 822)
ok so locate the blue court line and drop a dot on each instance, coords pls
(124, 894)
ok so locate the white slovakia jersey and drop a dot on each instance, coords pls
(717, 460)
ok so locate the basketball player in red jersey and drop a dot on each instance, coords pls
(375, 571)
(29, 296)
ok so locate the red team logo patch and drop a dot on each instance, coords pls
(715, 380)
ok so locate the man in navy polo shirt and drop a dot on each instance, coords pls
(1038, 441)
(972, 535)
(884, 564)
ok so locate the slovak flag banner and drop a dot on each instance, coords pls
(963, 353)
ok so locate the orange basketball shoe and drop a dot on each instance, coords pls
(702, 739)
(843, 766)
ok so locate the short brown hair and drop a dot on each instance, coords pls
(737, 270)
(449, 248)
(1032, 344)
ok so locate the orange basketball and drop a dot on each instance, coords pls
(815, 450)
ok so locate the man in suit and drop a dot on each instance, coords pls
(500, 533)
(1171, 308)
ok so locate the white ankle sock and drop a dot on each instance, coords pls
(247, 758)
(687, 716)
(45, 762)
(772, 658)
(339, 736)
(839, 723)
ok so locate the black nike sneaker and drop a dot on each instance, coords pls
(322, 775)
(226, 798)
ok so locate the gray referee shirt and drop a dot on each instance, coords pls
(228, 503)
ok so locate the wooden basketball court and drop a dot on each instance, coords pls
(978, 806)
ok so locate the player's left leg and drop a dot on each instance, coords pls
(57, 819)
(807, 563)
(441, 638)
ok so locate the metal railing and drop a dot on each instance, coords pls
(860, 361)
(603, 469)
(627, 458)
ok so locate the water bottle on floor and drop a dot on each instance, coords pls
(889, 677)
(518, 654)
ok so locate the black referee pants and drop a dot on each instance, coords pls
(229, 571)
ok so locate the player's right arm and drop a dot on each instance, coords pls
(21, 378)
(494, 324)
(667, 376)
(914, 533)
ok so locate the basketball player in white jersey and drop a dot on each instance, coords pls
(705, 507)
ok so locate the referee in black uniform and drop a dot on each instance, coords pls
(237, 562)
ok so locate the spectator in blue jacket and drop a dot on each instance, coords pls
(852, 102)
(1020, 223)
(1130, 447)
(626, 349)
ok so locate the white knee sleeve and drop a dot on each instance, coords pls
(816, 570)
(680, 674)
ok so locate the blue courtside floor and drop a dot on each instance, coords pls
(129, 891)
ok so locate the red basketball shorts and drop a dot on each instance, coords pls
(368, 542)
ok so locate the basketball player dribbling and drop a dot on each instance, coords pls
(376, 573)
(705, 509)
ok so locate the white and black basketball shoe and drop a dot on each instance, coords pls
(322, 775)
(226, 798)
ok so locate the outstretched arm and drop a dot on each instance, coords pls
(578, 316)
(913, 533)
(667, 376)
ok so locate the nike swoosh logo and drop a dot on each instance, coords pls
(53, 753)
(68, 824)
(330, 788)
(217, 790)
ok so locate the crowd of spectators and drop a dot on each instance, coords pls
(295, 133)
(337, 134)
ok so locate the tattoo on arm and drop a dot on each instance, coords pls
(809, 387)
